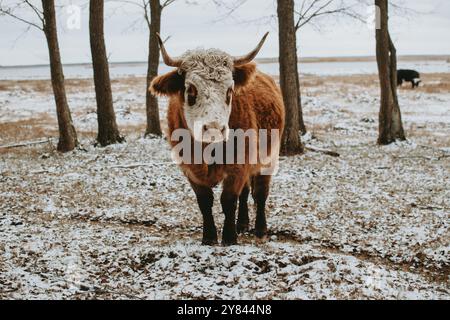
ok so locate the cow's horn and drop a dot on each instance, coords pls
(167, 59)
(239, 61)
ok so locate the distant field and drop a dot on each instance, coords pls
(275, 59)
(361, 59)
(319, 66)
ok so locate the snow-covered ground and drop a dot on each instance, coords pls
(122, 222)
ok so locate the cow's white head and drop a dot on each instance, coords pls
(206, 81)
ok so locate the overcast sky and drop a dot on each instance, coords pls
(424, 31)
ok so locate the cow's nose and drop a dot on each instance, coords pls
(215, 132)
(214, 126)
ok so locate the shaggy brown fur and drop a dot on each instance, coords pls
(257, 104)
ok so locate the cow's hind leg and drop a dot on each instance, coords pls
(260, 192)
(416, 83)
(205, 200)
(232, 188)
(243, 220)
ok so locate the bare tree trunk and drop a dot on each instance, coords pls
(67, 134)
(301, 123)
(108, 132)
(153, 121)
(390, 120)
(289, 82)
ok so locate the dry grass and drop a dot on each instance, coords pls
(37, 128)
(435, 83)
(129, 81)
(72, 85)
(422, 133)
(34, 128)
(431, 83)
(44, 86)
(5, 85)
(132, 129)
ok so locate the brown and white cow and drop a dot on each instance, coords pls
(211, 94)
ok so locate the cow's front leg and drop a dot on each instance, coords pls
(232, 188)
(205, 200)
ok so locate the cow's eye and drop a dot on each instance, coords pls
(229, 95)
(191, 93)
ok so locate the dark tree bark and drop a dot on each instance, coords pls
(153, 121)
(67, 134)
(390, 119)
(289, 82)
(108, 132)
(301, 123)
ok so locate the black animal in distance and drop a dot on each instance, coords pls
(404, 75)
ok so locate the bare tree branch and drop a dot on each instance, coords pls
(144, 5)
(308, 12)
(313, 9)
(167, 3)
(38, 12)
(10, 11)
(229, 8)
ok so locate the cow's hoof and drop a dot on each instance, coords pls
(209, 242)
(261, 234)
(228, 243)
(242, 228)
(230, 240)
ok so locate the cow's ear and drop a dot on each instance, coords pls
(244, 74)
(169, 84)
